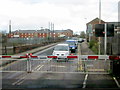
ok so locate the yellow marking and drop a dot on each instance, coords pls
(96, 70)
(79, 62)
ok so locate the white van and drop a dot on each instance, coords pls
(61, 51)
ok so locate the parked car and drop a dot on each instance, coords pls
(80, 40)
(62, 51)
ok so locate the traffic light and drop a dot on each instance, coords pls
(110, 30)
(99, 30)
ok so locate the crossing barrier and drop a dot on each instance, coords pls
(84, 57)
(80, 63)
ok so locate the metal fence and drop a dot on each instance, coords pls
(78, 64)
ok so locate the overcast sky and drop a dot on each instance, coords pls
(65, 14)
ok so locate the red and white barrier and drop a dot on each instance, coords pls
(84, 57)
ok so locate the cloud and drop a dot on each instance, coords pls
(33, 14)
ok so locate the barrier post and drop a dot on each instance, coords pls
(28, 64)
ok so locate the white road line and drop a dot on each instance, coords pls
(18, 80)
(40, 67)
(116, 82)
(84, 83)
(37, 67)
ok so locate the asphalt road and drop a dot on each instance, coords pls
(60, 74)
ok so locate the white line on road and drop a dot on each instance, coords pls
(40, 67)
(37, 67)
(18, 80)
(116, 82)
(84, 83)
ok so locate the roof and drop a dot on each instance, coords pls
(24, 31)
(115, 23)
(63, 44)
(96, 19)
(41, 31)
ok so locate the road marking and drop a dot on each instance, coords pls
(116, 82)
(40, 67)
(37, 67)
(22, 77)
(57, 66)
(85, 80)
(80, 68)
(79, 61)
(18, 80)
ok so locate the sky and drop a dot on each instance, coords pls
(65, 14)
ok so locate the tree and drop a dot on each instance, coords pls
(82, 34)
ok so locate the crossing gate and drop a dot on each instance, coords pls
(66, 64)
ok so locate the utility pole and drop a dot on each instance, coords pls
(53, 32)
(9, 26)
(48, 30)
(99, 23)
(105, 39)
(51, 26)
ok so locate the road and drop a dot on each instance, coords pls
(60, 74)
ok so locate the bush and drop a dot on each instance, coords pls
(93, 45)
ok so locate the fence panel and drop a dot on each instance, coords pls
(72, 64)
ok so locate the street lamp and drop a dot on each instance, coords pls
(99, 23)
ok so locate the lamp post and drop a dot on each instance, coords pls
(86, 28)
(99, 23)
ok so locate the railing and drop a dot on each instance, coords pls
(57, 64)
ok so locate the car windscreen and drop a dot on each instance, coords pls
(61, 48)
(71, 42)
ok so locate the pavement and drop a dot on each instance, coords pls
(85, 50)
(36, 49)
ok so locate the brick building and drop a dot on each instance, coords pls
(43, 33)
(90, 31)
(113, 43)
